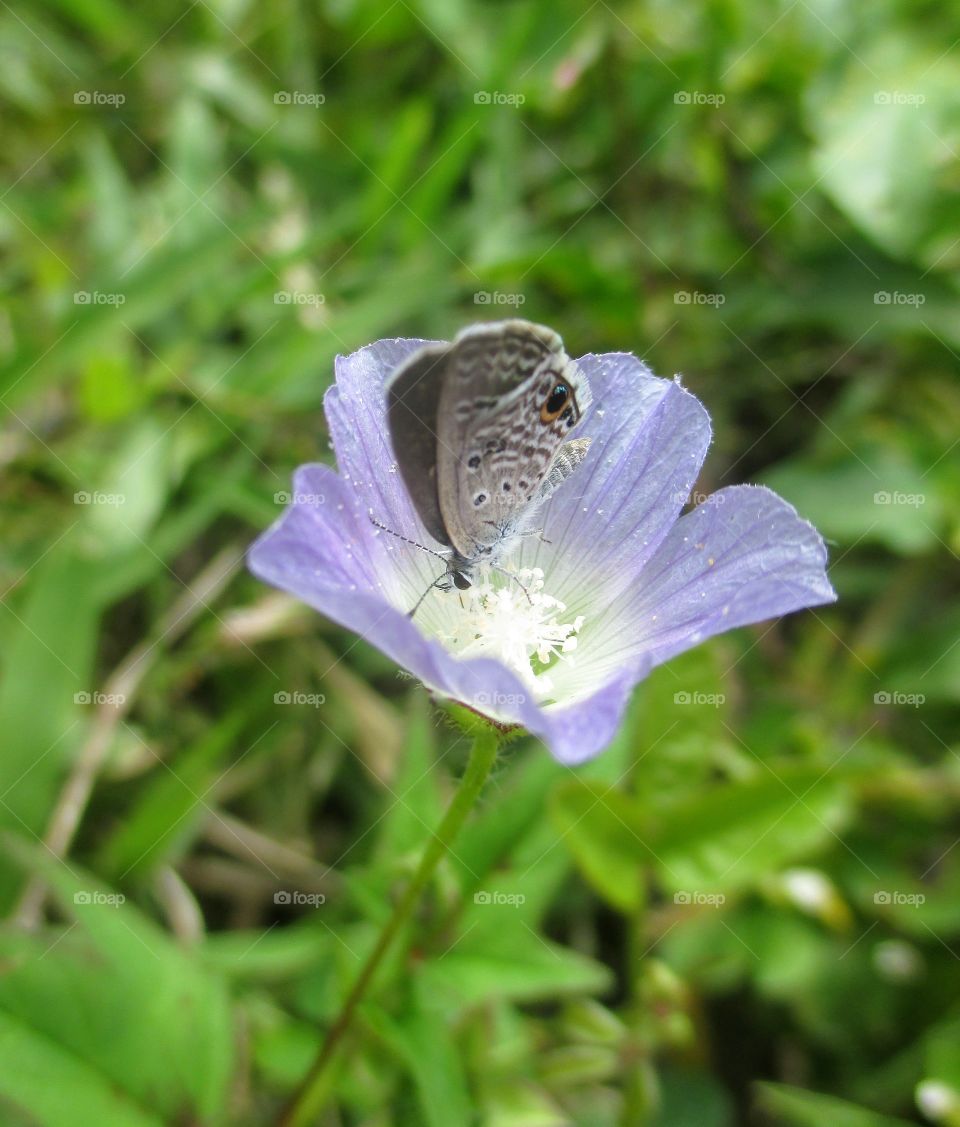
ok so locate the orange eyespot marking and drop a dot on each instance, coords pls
(555, 403)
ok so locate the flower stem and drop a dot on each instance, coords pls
(305, 1103)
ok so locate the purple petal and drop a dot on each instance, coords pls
(324, 532)
(581, 731)
(650, 437)
(743, 556)
(356, 415)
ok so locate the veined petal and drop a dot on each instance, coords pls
(355, 407)
(577, 732)
(650, 437)
(326, 536)
(743, 556)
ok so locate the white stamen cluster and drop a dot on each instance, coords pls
(514, 624)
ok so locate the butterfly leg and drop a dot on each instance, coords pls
(511, 575)
(538, 532)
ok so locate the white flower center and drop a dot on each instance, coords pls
(514, 621)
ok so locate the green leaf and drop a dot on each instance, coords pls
(594, 822)
(893, 111)
(48, 659)
(114, 970)
(796, 1107)
(691, 1098)
(512, 963)
(412, 819)
(161, 824)
(510, 810)
(732, 835)
(268, 956)
(57, 1088)
(880, 497)
(942, 1055)
(424, 1041)
(720, 840)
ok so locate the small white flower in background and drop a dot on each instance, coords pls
(938, 1101)
(814, 893)
(809, 890)
(897, 960)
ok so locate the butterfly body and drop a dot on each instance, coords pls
(480, 428)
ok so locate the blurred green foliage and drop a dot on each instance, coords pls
(748, 910)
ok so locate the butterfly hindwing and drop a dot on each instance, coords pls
(413, 398)
(498, 442)
(480, 429)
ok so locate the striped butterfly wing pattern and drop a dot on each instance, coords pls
(509, 399)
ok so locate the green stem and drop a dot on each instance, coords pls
(305, 1103)
(639, 1096)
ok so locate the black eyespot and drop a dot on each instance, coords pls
(523, 484)
(555, 402)
(507, 487)
(479, 499)
(474, 461)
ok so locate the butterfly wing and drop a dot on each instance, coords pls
(413, 398)
(509, 398)
(569, 456)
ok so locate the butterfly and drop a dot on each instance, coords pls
(480, 429)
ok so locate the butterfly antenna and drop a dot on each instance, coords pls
(423, 548)
(406, 540)
(419, 601)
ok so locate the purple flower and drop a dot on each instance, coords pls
(618, 581)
